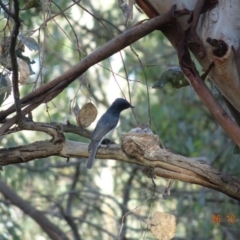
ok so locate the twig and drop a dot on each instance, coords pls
(9, 13)
(69, 23)
(73, 186)
(204, 75)
(196, 13)
(70, 222)
(193, 38)
(12, 51)
(108, 49)
(48, 227)
(126, 198)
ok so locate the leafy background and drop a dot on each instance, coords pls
(113, 193)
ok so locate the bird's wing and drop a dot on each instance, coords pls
(103, 127)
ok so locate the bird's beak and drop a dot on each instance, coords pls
(132, 106)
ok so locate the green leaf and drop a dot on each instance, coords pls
(236, 150)
(30, 42)
(173, 75)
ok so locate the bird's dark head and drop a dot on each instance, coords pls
(120, 104)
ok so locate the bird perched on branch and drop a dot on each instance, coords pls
(105, 126)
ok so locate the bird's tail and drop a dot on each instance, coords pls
(92, 155)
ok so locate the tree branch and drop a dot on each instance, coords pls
(126, 198)
(202, 90)
(225, 79)
(69, 219)
(141, 149)
(6, 10)
(12, 52)
(48, 227)
(52, 89)
(73, 186)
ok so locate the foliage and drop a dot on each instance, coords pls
(113, 197)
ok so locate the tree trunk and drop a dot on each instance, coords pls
(218, 22)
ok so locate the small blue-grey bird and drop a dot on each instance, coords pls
(105, 126)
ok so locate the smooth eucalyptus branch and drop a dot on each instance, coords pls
(190, 71)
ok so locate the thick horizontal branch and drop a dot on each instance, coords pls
(141, 149)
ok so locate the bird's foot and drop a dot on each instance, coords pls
(107, 142)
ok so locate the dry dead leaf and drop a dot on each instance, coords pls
(24, 71)
(86, 115)
(162, 225)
